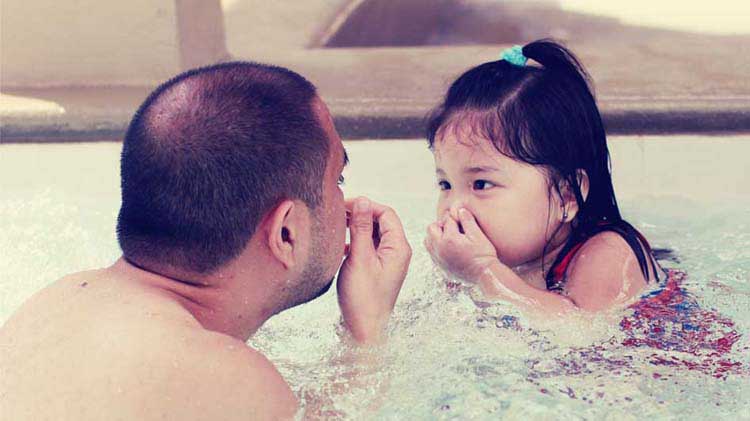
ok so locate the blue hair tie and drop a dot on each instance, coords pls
(514, 55)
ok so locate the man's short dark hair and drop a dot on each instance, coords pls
(208, 154)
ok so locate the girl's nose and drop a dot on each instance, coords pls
(454, 207)
(451, 205)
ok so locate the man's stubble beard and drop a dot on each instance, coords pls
(308, 286)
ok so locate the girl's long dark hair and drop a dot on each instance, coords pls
(546, 116)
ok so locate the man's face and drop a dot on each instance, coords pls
(328, 232)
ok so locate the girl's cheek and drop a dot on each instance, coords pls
(488, 223)
(492, 221)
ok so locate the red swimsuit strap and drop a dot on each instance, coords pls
(560, 269)
(558, 272)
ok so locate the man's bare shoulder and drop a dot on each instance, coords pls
(220, 377)
(92, 348)
(201, 374)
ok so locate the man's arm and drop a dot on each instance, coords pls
(368, 285)
(372, 274)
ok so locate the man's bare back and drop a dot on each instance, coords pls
(231, 212)
(104, 347)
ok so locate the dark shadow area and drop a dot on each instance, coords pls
(377, 23)
(401, 23)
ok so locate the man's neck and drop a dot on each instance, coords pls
(211, 300)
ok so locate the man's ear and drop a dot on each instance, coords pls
(569, 203)
(282, 232)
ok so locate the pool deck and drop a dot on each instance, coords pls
(643, 86)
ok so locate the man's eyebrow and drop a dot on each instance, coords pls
(439, 171)
(346, 158)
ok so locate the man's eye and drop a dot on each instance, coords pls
(444, 185)
(482, 184)
(341, 180)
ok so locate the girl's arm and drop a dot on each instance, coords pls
(500, 282)
(604, 272)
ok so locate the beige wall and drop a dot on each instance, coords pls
(87, 42)
(142, 42)
(257, 26)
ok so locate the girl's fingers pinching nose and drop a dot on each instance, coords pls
(434, 231)
(443, 219)
(451, 227)
(453, 212)
(469, 223)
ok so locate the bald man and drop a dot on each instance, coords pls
(231, 213)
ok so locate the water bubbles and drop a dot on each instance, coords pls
(448, 357)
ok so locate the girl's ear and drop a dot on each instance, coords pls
(583, 182)
(569, 206)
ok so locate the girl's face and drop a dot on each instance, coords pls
(511, 200)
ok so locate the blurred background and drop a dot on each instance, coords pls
(77, 69)
(672, 80)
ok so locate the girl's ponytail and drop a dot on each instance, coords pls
(554, 57)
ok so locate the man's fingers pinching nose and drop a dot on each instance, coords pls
(361, 216)
(361, 227)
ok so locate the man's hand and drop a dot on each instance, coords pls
(463, 251)
(374, 270)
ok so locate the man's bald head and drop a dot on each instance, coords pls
(208, 154)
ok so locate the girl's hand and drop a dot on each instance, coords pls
(459, 246)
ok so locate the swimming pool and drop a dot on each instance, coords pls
(449, 358)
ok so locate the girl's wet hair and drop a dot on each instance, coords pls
(544, 115)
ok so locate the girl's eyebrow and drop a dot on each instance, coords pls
(481, 168)
(472, 170)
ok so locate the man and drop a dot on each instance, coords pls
(230, 213)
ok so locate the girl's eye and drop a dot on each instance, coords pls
(482, 184)
(341, 180)
(444, 185)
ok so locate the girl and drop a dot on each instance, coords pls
(527, 209)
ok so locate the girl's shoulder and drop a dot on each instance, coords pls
(604, 270)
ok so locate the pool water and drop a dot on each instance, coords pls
(450, 356)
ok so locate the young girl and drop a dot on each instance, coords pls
(527, 209)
